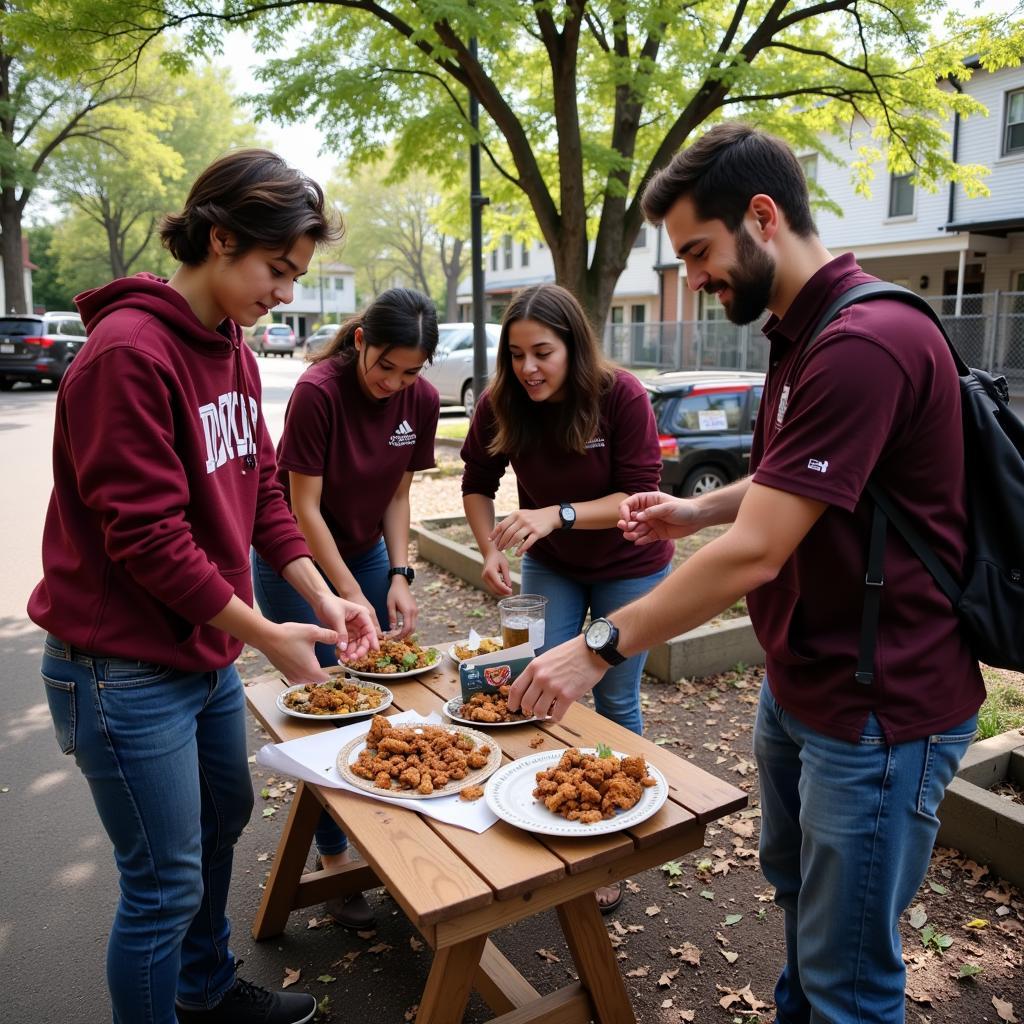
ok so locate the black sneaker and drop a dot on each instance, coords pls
(246, 1003)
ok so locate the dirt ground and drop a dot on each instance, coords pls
(699, 939)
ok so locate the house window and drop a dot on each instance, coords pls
(901, 196)
(506, 245)
(494, 259)
(809, 165)
(339, 284)
(641, 238)
(524, 254)
(1014, 138)
(637, 314)
(617, 314)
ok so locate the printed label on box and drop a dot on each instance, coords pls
(489, 672)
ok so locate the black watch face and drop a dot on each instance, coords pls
(598, 634)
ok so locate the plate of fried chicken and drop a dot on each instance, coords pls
(581, 791)
(485, 709)
(418, 761)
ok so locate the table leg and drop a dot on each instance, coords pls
(449, 982)
(292, 851)
(591, 950)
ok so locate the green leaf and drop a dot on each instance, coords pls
(731, 919)
(706, 894)
(672, 868)
(265, 793)
(269, 812)
(603, 750)
(969, 971)
(936, 887)
(476, 613)
(326, 978)
(408, 660)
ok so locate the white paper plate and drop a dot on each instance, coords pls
(451, 709)
(509, 793)
(385, 676)
(351, 751)
(385, 703)
(460, 643)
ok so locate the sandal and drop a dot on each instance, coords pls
(607, 908)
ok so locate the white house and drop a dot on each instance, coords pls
(326, 294)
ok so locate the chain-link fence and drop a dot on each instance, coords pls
(988, 333)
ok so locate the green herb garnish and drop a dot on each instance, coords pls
(408, 660)
(603, 750)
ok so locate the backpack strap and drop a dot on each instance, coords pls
(884, 510)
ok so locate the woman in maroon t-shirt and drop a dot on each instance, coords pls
(358, 425)
(580, 436)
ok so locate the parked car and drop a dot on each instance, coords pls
(38, 347)
(273, 339)
(452, 369)
(705, 424)
(320, 337)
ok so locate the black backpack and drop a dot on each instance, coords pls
(990, 603)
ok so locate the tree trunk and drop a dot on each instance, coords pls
(10, 250)
(452, 273)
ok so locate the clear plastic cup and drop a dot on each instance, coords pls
(522, 620)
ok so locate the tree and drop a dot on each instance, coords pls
(42, 108)
(587, 99)
(117, 188)
(47, 291)
(404, 230)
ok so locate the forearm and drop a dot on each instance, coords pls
(303, 575)
(325, 550)
(599, 514)
(237, 619)
(480, 517)
(721, 506)
(396, 529)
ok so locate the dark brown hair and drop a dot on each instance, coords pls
(256, 196)
(397, 318)
(723, 170)
(590, 376)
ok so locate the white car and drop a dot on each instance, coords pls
(452, 369)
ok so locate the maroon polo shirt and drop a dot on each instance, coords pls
(361, 447)
(877, 396)
(624, 456)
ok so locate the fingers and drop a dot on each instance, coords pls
(519, 687)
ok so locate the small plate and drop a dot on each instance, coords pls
(451, 709)
(385, 676)
(385, 703)
(461, 643)
(348, 754)
(509, 794)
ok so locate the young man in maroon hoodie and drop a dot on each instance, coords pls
(164, 474)
(851, 774)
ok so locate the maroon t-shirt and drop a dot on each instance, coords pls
(877, 396)
(359, 445)
(624, 456)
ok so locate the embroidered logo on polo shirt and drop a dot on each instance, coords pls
(780, 414)
(403, 434)
(818, 465)
(597, 442)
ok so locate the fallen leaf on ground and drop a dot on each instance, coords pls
(1004, 1009)
(919, 995)
(978, 922)
(367, 934)
(688, 1015)
(997, 897)
(619, 930)
(729, 955)
(666, 978)
(546, 954)
(291, 976)
(918, 916)
(666, 1004)
(410, 1014)
(634, 928)
(381, 947)
(415, 943)
(731, 919)
(741, 828)
(687, 952)
(326, 978)
(653, 910)
(721, 938)
(638, 972)
(631, 886)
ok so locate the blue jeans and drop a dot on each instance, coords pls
(281, 602)
(617, 695)
(846, 834)
(164, 754)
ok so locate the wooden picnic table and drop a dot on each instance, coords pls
(457, 887)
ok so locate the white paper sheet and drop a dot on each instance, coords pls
(312, 759)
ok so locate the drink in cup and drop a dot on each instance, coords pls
(522, 620)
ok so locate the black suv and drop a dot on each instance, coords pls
(705, 422)
(38, 347)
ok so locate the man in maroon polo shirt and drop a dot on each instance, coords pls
(851, 774)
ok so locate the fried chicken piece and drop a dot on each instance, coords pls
(566, 791)
(588, 794)
(477, 760)
(410, 778)
(426, 786)
(472, 793)
(394, 746)
(634, 767)
(620, 794)
(382, 781)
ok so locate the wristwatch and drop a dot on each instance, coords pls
(602, 637)
(567, 514)
(402, 570)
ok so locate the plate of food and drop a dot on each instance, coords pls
(396, 659)
(336, 699)
(582, 791)
(485, 709)
(419, 761)
(461, 650)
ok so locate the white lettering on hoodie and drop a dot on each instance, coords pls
(228, 434)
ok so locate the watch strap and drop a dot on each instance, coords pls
(402, 570)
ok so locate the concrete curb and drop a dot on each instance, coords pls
(985, 827)
(700, 652)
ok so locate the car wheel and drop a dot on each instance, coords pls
(702, 480)
(468, 399)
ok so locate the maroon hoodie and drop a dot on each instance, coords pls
(160, 483)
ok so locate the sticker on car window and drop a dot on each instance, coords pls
(711, 419)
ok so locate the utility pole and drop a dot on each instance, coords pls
(476, 204)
